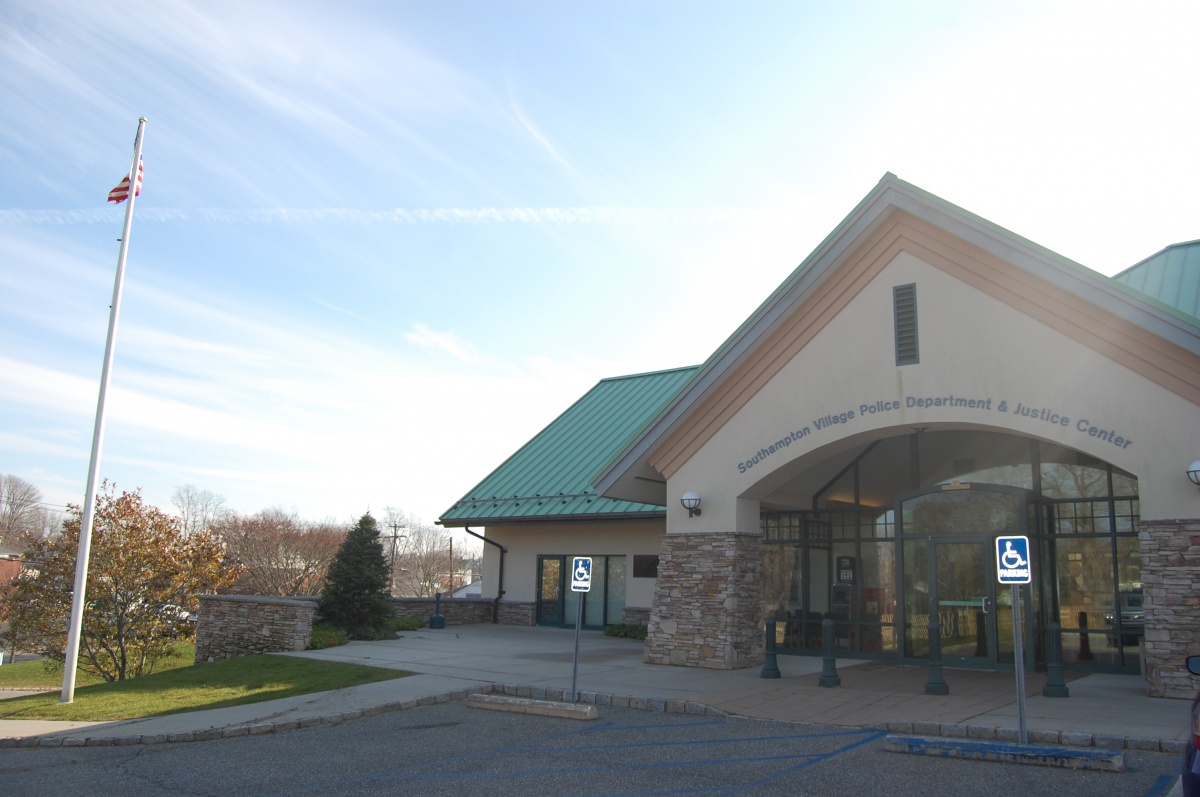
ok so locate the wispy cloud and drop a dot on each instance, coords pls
(417, 216)
(448, 342)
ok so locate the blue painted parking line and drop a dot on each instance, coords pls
(1162, 787)
(783, 762)
(870, 736)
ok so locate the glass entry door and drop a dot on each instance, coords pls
(949, 573)
(964, 592)
(550, 609)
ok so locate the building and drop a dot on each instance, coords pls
(922, 384)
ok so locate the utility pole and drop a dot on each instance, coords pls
(395, 536)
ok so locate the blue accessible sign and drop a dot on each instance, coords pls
(1012, 560)
(581, 574)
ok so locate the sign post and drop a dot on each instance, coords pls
(1013, 567)
(581, 581)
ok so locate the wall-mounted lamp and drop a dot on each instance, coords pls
(1194, 472)
(691, 502)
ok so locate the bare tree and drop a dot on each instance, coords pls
(423, 565)
(199, 509)
(279, 553)
(21, 513)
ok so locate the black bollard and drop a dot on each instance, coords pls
(981, 649)
(437, 620)
(770, 665)
(1085, 645)
(1055, 685)
(936, 685)
(829, 676)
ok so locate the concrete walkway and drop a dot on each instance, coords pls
(1109, 711)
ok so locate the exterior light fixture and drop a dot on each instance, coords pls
(691, 501)
(1193, 473)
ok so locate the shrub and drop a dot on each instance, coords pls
(405, 624)
(325, 637)
(626, 631)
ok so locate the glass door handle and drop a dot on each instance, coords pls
(987, 605)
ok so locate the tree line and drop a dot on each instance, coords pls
(148, 567)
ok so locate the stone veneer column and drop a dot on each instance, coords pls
(1170, 551)
(708, 602)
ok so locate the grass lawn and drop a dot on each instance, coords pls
(182, 687)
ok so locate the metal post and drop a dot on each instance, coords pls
(770, 665)
(1019, 655)
(936, 685)
(1085, 645)
(575, 661)
(829, 676)
(1055, 685)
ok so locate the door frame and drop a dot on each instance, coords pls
(986, 540)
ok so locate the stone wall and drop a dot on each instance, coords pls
(229, 626)
(457, 611)
(634, 615)
(1170, 552)
(708, 602)
(517, 613)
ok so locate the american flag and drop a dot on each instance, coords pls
(121, 192)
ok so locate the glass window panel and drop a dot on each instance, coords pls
(593, 605)
(963, 512)
(981, 457)
(615, 609)
(1085, 581)
(916, 599)
(1123, 483)
(1074, 480)
(877, 573)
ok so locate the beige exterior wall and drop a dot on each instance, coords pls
(972, 346)
(525, 542)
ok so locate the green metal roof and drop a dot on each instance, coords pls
(550, 477)
(1171, 277)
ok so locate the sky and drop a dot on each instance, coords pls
(380, 245)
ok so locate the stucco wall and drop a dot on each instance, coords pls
(972, 346)
(525, 542)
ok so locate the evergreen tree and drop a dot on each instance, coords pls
(355, 597)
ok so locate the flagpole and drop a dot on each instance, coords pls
(75, 627)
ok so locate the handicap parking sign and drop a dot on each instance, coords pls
(581, 574)
(1012, 560)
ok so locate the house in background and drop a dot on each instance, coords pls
(10, 564)
(924, 383)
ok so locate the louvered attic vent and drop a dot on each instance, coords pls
(904, 306)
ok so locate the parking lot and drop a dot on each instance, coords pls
(450, 749)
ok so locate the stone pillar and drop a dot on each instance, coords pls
(708, 602)
(1170, 551)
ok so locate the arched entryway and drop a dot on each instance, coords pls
(905, 523)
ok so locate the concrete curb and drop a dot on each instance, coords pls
(1064, 738)
(1093, 759)
(670, 706)
(525, 705)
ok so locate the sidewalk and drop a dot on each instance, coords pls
(1109, 711)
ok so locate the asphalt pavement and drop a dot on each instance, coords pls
(1106, 711)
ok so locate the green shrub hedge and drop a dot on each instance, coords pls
(326, 637)
(629, 631)
(405, 623)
